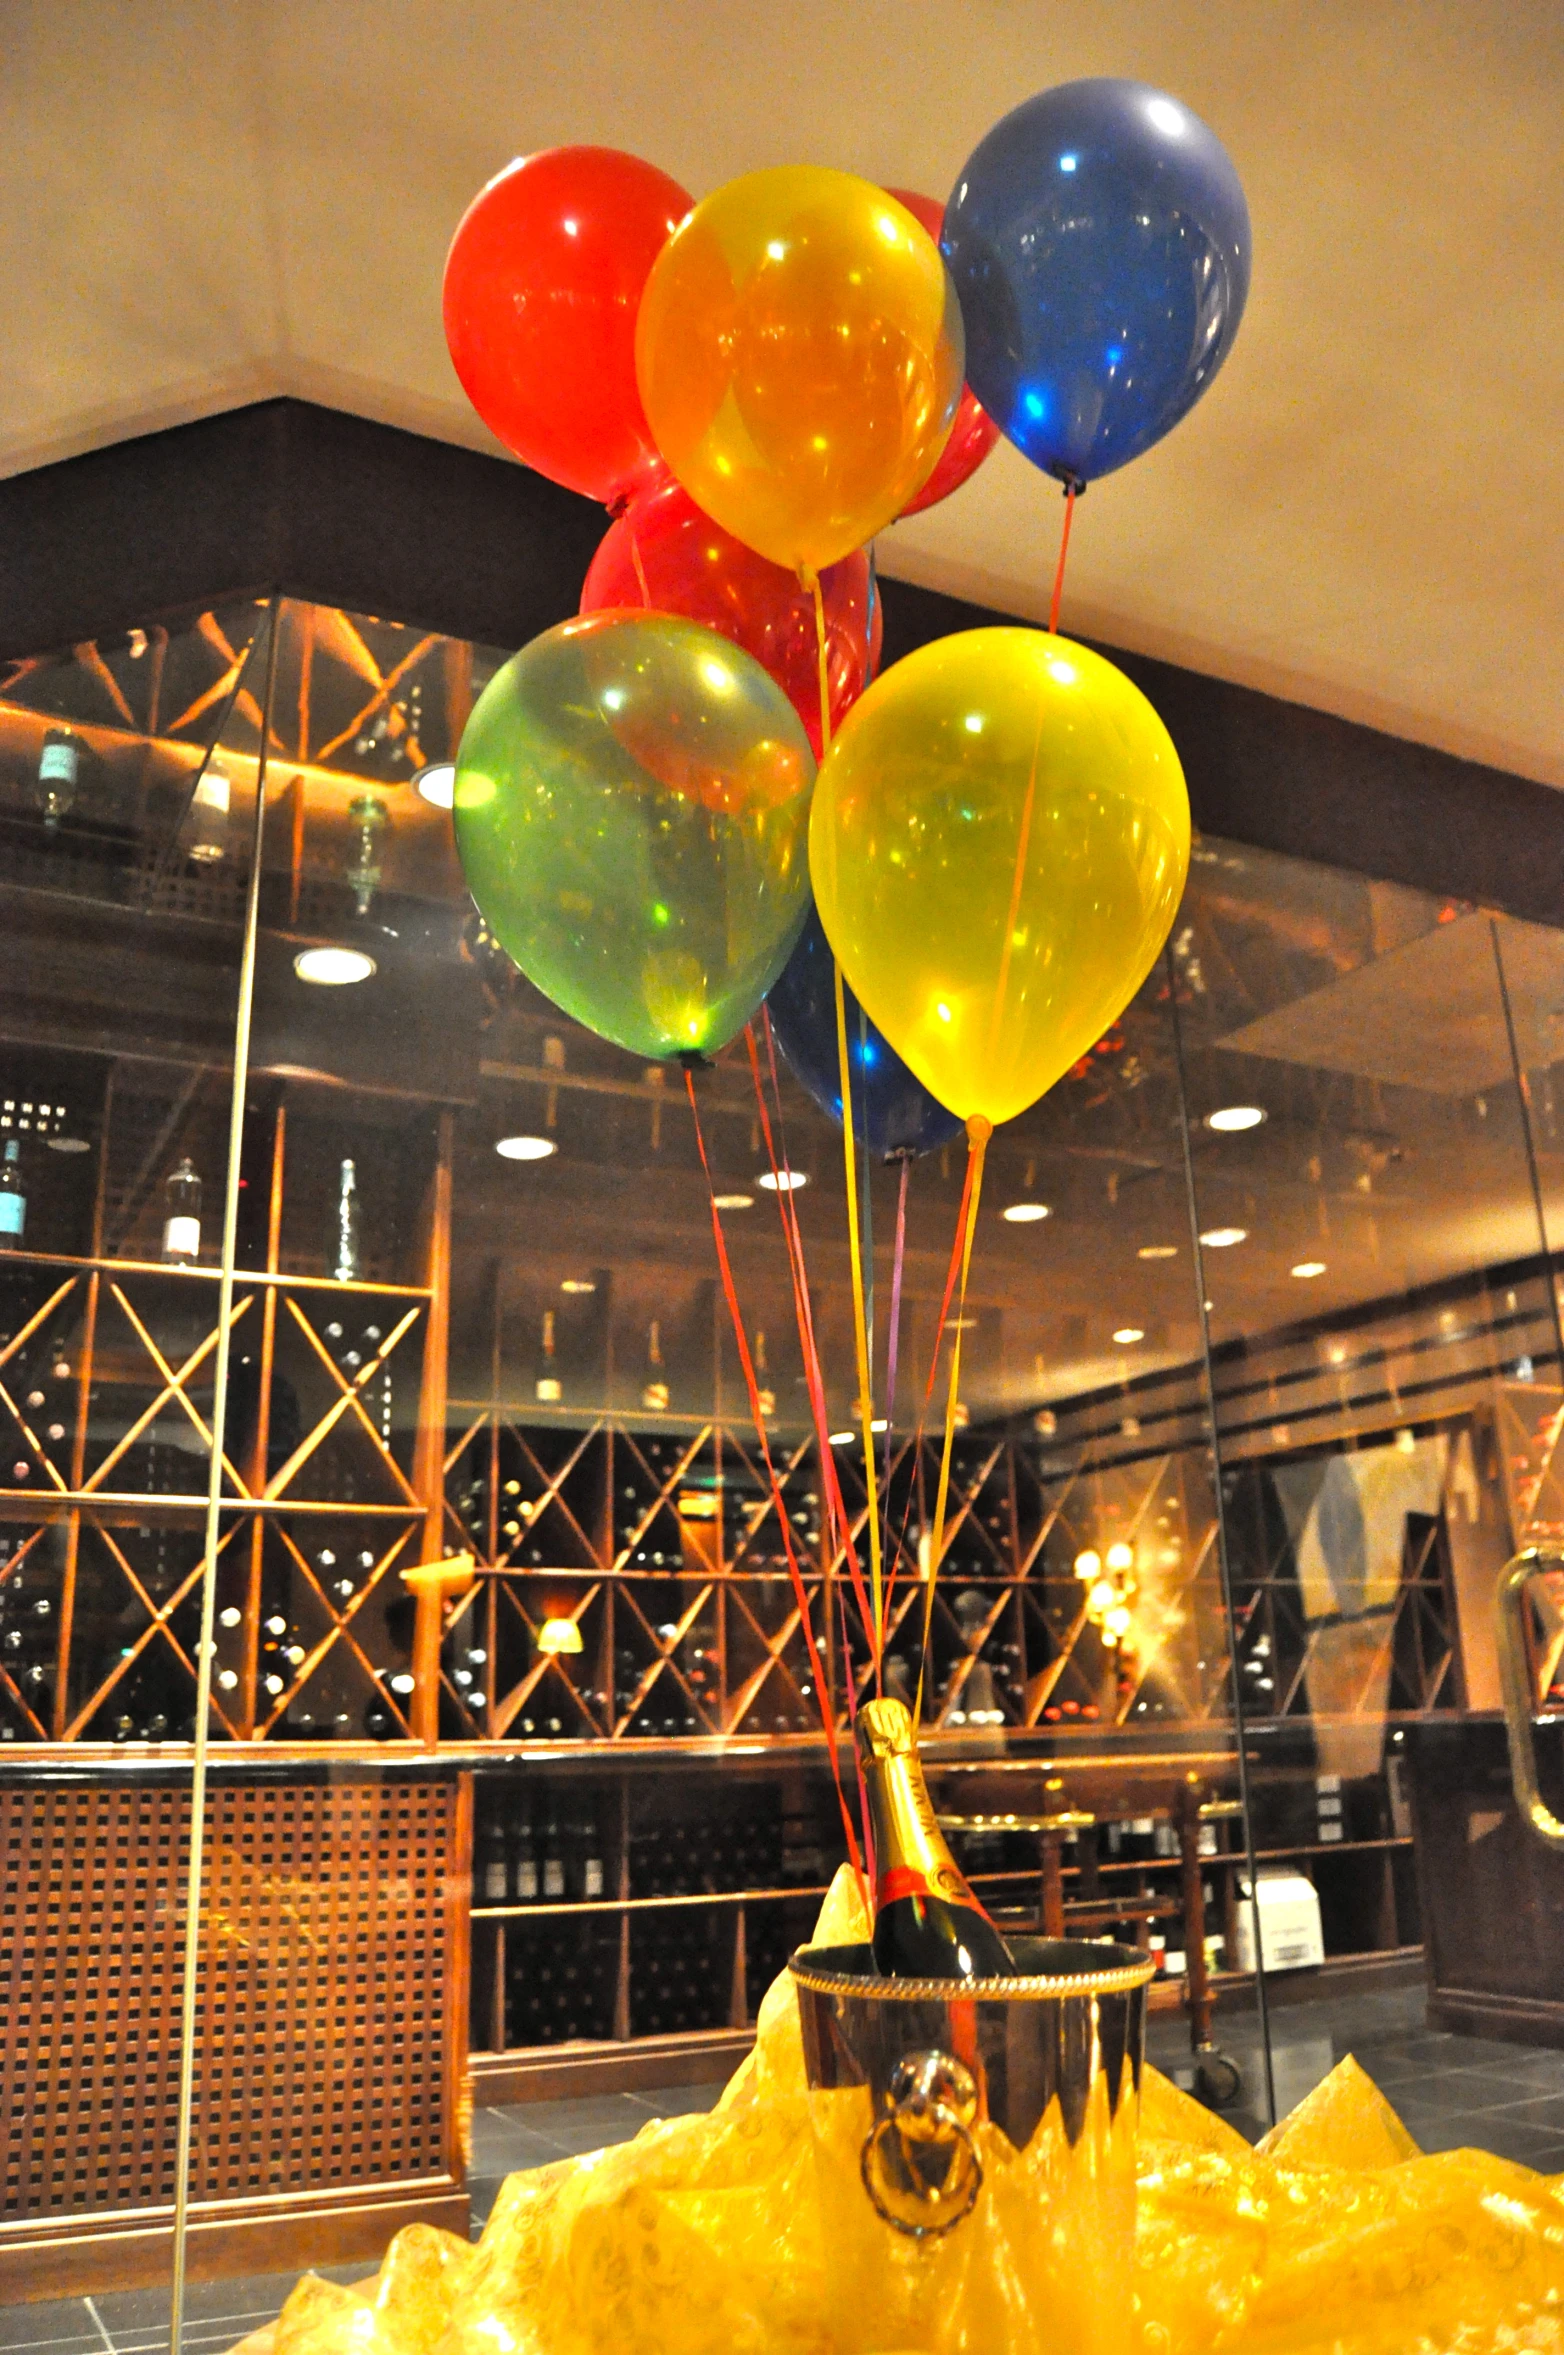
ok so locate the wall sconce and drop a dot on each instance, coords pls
(559, 1635)
(1111, 1589)
(205, 836)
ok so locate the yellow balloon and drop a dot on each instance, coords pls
(999, 839)
(799, 351)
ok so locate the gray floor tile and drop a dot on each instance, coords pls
(679, 2101)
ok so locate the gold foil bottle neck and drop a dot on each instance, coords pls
(885, 1730)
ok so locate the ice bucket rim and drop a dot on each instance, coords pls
(1127, 1970)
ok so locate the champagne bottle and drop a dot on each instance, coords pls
(927, 1923)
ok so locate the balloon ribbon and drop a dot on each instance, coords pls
(850, 1170)
(800, 1593)
(979, 1131)
(836, 1511)
(1064, 550)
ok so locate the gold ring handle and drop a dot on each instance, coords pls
(920, 2165)
(1515, 1678)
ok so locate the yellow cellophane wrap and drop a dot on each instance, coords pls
(747, 2232)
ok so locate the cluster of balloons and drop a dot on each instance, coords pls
(755, 386)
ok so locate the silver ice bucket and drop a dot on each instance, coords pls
(1057, 2050)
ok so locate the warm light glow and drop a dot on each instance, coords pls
(843, 1438)
(437, 784)
(734, 1201)
(1223, 1238)
(525, 1148)
(1102, 1596)
(1309, 1267)
(333, 968)
(782, 1181)
(1117, 1622)
(1088, 1564)
(577, 1284)
(1157, 1251)
(1121, 1557)
(1025, 1214)
(1234, 1117)
(1128, 1335)
(559, 1635)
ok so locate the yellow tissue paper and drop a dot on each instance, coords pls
(747, 2232)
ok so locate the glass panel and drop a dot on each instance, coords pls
(126, 809)
(1384, 1351)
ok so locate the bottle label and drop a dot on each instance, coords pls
(553, 1877)
(914, 1860)
(57, 764)
(526, 1878)
(494, 1881)
(182, 1238)
(592, 1877)
(13, 1213)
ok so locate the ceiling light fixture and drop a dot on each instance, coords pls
(1157, 1251)
(734, 1201)
(1233, 1118)
(437, 784)
(1128, 1335)
(1309, 1267)
(577, 1284)
(1025, 1214)
(843, 1438)
(1223, 1238)
(525, 1148)
(333, 968)
(782, 1181)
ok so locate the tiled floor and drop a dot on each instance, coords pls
(1451, 2090)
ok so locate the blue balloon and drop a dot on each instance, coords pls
(893, 1113)
(1100, 245)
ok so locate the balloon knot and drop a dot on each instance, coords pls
(617, 505)
(807, 578)
(1068, 481)
(691, 1059)
(979, 1130)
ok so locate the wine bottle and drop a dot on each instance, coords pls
(13, 1197)
(927, 1923)
(182, 1224)
(526, 1862)
(344, 1259)
(549, 1388)
(495, 1877)
(553, 1863)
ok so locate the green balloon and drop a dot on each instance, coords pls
(632, 812)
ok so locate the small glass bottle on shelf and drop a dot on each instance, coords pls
(549, 1389)
(345, 1256)
(13, 1197)
(182, 1216)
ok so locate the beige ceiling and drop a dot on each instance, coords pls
(206, 201)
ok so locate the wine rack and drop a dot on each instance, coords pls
(329, 1479)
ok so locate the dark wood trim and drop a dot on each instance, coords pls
(65, 2256)
(286, 495)
(1517, 2019)
(555, 2072)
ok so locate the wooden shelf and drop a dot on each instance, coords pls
(274, 1280)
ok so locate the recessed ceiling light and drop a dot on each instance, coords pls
(333, 968)
(1309, 1267)
(1157, 1251)
(843, 1438)
(734, 1201)
(437, 783)
(577, 1284)
(1025, 1214)
(1223, 1238)
(1128, 1335)
(782, 1181)
(525, 1148)
(879, 1424)
(1233, 1117)
(69, 1144)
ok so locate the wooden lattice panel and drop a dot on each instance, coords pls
(324, 2041)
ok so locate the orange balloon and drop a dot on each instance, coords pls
(799, 354)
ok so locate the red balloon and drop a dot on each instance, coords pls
(665, 554)
(974, 433)
(542, 286)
